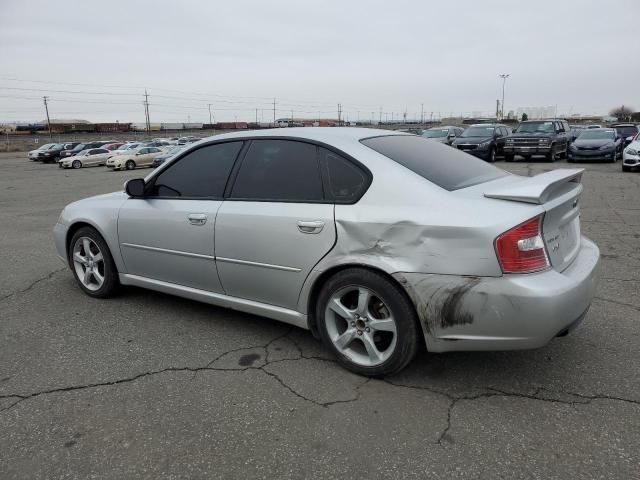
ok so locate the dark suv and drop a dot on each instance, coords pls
(549, 138)
(54, 153)
(485, 140)
(83, 146)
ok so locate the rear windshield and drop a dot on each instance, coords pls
(626, 131)
(444, 166)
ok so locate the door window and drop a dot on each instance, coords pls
(200, 173)
(279, 170)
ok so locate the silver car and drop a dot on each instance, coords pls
(376, 241)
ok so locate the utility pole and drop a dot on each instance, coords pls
(256, 116)
(504, 77)
(380, 115)
(422, 113)
(339, 115)
(210, 116)
(146, 111)
(274, 112)
(46, 109)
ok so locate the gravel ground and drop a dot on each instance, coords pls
(147, 385)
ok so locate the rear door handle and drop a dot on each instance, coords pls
(311, 227)
(197, 218)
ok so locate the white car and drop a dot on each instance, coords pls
(142, 157)
(127, 148)
(631, 155)
(33, 154)
(92, 157)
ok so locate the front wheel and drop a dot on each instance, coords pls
(130, 165)
(551, 156)
(492, 155)
(92, 263)
(368, 322)
(509, 157)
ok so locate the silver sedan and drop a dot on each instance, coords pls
(375, 241)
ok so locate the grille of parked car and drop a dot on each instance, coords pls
(526, 142)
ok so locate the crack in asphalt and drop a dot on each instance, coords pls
(48, 276)
(618, 303)
(585, 399)
(195, 370)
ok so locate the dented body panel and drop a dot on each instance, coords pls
(505, 313)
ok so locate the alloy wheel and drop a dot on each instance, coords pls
(361, 326)
(88, 263)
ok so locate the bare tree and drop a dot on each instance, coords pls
(622, 113)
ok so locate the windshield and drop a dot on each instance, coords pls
(478, 132)
(79, 147)
(597, 135)
(446, 167)
(46, 146)
(436, 133)
(535, 127)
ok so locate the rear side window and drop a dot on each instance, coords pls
(345, 180)
(279, 170)
(200, 173)
(444, 166)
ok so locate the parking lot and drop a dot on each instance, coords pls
(149, 385)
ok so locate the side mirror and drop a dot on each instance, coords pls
(135, 187)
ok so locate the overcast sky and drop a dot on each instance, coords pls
(579, 55)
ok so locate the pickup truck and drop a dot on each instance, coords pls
(548, 138)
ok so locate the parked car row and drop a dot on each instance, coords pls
(551, 139)
(115, 155)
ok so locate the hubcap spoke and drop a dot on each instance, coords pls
(79, 258)
(346, 338)
(98, 278)
(87, 276)
(383, 324)
(86, 245)
(374, 354)
(97, 257)
(364, 295)
(337, 307)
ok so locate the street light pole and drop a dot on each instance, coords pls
(504, 77)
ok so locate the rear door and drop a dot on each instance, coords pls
(169, 234)
(275, 223)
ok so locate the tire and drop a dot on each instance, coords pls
(551, 156)
(392, 346)
(130, 165)
(104, 267)
(492, 155)
(626, 169)
(76, 164)
(613, 157)
(509, 157)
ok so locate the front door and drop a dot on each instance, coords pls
(169, 234)
(275, 225)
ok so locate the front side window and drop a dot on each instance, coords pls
(200, 173)
(279, 170)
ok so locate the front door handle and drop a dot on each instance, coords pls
(197, 218)
(311, 227)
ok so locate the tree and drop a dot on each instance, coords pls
(525, 117)
(622, 113)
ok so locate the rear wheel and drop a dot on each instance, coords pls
(368, 322)
(92, 263)
(76, 164)
(130, 165)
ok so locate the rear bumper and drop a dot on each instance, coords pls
(511, 312)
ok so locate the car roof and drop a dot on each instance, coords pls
(320, 134)
(486, 125)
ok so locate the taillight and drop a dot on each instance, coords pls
(521, 249)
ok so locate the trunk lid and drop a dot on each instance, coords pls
(558, 192)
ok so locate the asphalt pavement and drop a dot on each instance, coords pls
(146, 385)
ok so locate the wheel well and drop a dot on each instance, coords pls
(322, 279)
(71, 232)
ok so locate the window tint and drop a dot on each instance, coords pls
(346, 181)
(446, 167)
(279, 170)
(201, 173)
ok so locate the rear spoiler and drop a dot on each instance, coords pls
(536, 189)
